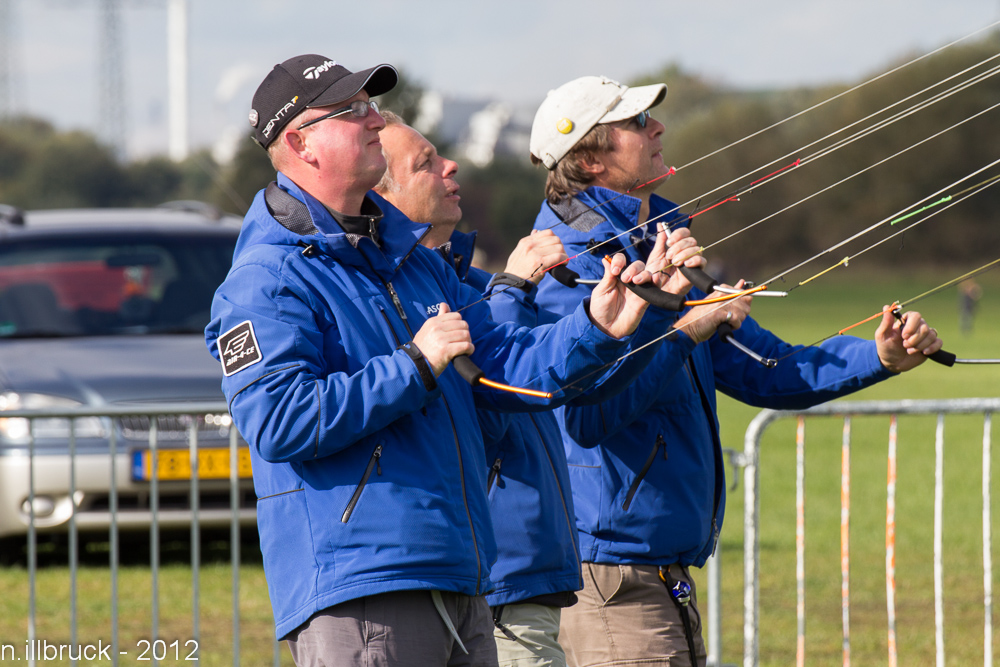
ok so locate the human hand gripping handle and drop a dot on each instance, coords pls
(612, 309)
(443, 338)
(676, 264)
(534, 254)
(904, 340)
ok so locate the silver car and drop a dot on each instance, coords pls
(106, 309)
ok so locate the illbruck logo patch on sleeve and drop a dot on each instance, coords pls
(238, 348)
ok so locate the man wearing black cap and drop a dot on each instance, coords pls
(336, 331)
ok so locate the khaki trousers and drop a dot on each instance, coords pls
(537, 630)
(625, 616)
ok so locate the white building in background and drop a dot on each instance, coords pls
(475, 130)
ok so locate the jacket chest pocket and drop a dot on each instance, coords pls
(661, 444)
(374, 463)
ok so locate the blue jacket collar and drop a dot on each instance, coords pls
(398, 235)
(458, 254)
(622, 210)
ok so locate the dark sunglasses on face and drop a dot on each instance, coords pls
(641, 118)
(357, 108)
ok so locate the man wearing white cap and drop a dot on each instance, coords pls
(646, 467)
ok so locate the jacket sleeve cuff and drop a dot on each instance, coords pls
(424, 368)
(511, 280)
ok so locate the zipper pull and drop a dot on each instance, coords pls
(494, 473)
(378, 459)
(660, 442)
(396, 302)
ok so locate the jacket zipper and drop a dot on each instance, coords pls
(454, 432)
(570, 521)
(399, 306)
(718, 450)
(494, 474)
(388, 323)
(660, 442)
(373, 462)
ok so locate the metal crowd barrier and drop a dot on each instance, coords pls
(236, 514)
(751, 545)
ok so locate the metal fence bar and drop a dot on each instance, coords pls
(890, 543)
(751, 537)
(938, 542)
(234, 539)
(845, 539)
(32, 545)
(195, 539)
(154, 532)
(751, 475)
(113, 545)
(800, 542)
(74, 558)
(987, 544)
(714, 596)
(114, 511)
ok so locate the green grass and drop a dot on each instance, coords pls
(805, 316)
(135, 612)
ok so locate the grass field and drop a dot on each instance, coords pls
(826, 309)
(804, 317)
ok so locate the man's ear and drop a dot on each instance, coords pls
(592, 165)
(296, 143)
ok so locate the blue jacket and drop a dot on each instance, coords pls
(370, 475)
(528, 481)
(646, 466)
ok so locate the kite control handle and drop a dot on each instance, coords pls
(565, 275)
(700, 279)
(467, 369)
(942, 357)
(475, 376)
(725, 331)
(647, 292)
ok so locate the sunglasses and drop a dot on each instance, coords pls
(357, 108)
(641, 118)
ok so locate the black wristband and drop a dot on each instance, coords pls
(426, 374)
(509, 279)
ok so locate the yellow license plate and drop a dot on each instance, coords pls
(175, 464)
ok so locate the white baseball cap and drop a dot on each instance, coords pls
(571, 110)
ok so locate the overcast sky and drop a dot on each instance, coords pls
(514, 50)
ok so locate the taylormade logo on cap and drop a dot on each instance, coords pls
(314, 72)
(310, 81)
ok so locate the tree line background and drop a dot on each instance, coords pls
(41, 167)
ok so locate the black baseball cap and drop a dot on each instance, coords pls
(308, 81)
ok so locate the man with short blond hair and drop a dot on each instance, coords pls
(537, 570)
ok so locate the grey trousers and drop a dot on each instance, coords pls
(625, 616)
(402, 629)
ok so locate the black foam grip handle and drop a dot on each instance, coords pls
(468, 370)
(943, 358)
(700, 279)
(564, 274)
(725, 330)
(656, 297)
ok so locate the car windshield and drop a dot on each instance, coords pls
(86, 286)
